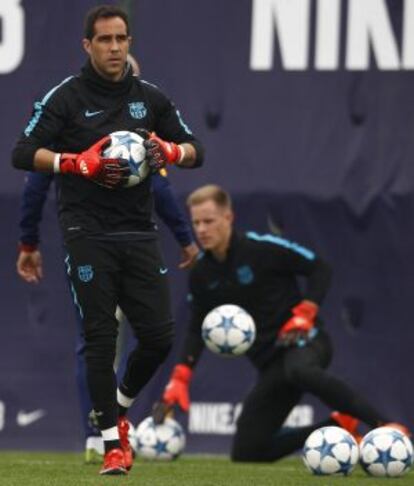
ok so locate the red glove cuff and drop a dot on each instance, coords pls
(87, 164)
(182, 373)
(173, 153)
(65, 163)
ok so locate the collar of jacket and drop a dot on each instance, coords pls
(234, 240)
(105, 86)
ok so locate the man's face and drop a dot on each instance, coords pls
(109, 47)
(212, 225)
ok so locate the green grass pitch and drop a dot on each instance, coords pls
(67, 469)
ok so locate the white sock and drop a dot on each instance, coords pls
(110, 434)
(95, 443)
(123, 400)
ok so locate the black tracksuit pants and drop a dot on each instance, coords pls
(279, 388)
(131, 274)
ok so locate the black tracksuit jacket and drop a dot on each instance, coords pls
(260, 274)
(77, 113)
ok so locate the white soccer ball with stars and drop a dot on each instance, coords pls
(132, 436)
(228, 330)
(130, 147)
(164, 442)
(386, 451)
(330, 450)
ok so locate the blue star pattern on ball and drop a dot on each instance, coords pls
(330, 450)
(249, 335)
(161, 447)
(226, 323)
(124, 139)
(165, 441)
(129, 147)
(228, 330)
(386, 452)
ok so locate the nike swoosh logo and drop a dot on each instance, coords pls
(24, 419)
(163, 271)
(88, 113)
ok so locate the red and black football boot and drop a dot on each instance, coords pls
(123, 429)
(114, 463)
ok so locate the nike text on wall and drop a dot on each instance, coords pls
(220, 418)
(368, 29)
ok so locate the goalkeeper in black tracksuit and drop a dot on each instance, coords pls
(292, 349)
(113, 254)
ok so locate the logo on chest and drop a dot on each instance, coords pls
(245, 275)
(89, 114)
(85, 273)
(137, 110)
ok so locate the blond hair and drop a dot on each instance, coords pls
(210, 192)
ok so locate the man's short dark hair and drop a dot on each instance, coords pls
(103, 12)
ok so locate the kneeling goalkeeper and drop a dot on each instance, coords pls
(292, 350)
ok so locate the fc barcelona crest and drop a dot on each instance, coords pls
(245, 275)
(85, 273)
(137, 110)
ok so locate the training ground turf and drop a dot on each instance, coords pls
(59, 469)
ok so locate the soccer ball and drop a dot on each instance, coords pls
(165, 441)
(330, 450)
(386, 451)
(132, 438)
(130, 147)
(228, 330)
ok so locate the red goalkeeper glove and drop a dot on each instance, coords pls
(160, 153)
(90, 164)
(176, 391)
(300, 328)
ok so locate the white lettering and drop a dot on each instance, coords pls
(237, 411)
(328, 22)
(224, 419)
(408, 35)
(2, 415)
(369, 35)
(12, 41)
(291, 19)
(300, 416)
(221, 418)
(212, 418)
(369, 26)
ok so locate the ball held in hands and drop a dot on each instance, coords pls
(90, 164)
(161, 153)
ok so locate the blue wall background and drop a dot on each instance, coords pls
(325, 155)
